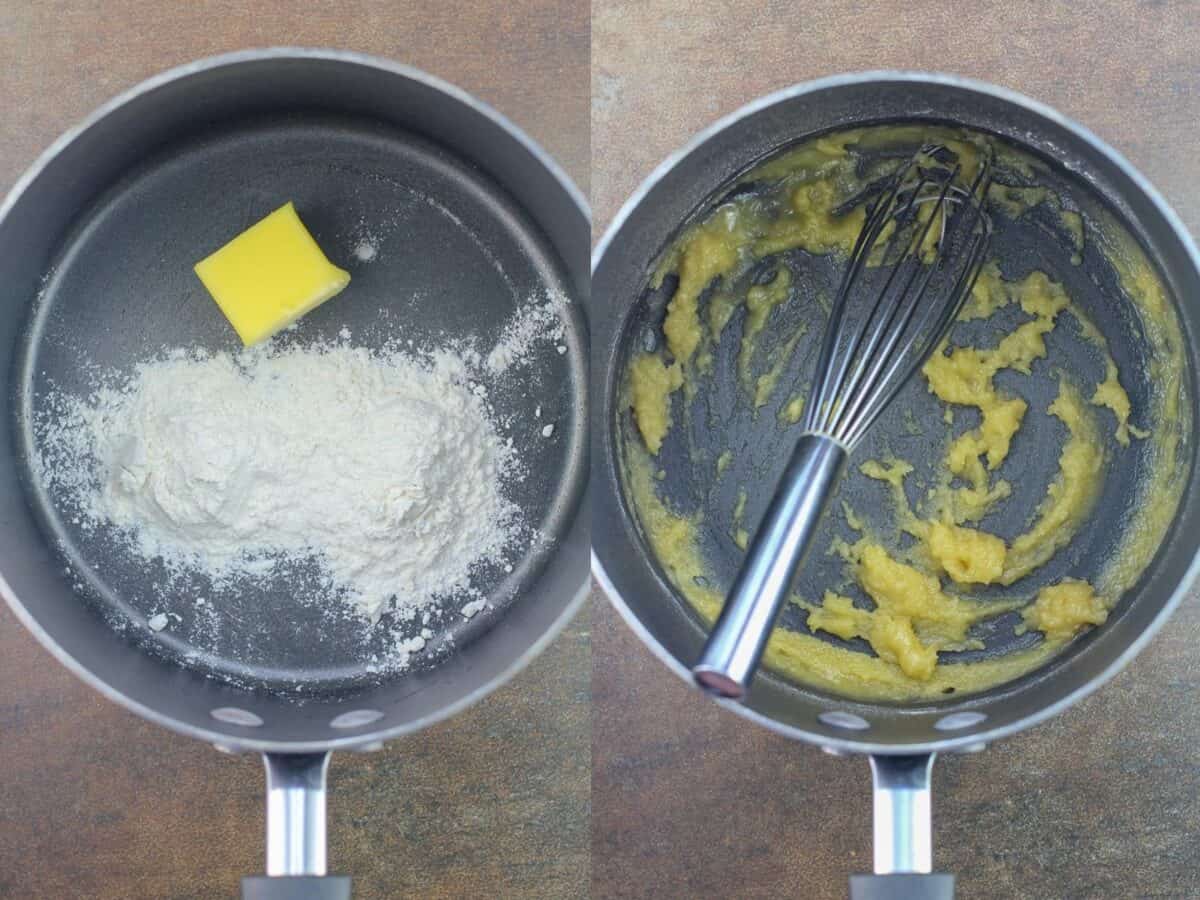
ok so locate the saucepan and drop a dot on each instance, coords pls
(901, 738)
(97, 241)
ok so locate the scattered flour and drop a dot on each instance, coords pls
(227, 464)
(534, 322)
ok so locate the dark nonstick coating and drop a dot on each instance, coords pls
(455, 257)
(627, 255)
(912, 429)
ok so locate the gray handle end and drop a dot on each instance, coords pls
(908, 886)
(296, 887)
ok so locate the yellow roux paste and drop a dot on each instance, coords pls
(914, 615)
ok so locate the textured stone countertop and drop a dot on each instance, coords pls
(97, 804)
(690, 801)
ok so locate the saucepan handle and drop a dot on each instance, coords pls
(296, 833)
(903, 835)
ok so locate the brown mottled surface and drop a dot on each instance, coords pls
(94, 802)
(1103, 802)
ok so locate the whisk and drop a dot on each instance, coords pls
(912, 268)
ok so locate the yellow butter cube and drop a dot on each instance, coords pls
(270, 275)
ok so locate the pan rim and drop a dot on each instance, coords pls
(361, 740)
(973, 739)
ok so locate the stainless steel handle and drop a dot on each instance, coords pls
(735, 646)
(903, 834)
(903, 813)
(296, 813)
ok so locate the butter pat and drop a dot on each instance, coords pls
(270, 275)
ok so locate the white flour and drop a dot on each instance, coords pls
(386, 470)
(533, 323)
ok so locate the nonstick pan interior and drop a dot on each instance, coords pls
(627, 256)
(453, 257)
(467, 224)
(721, 419)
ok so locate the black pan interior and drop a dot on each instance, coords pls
(676, 194)
(721, 418)
(455, 255)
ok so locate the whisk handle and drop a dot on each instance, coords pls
(735, 646)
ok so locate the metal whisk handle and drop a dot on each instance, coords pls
(740, 634)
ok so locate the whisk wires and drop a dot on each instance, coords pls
(910, 272)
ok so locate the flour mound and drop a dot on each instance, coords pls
(384, 469)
